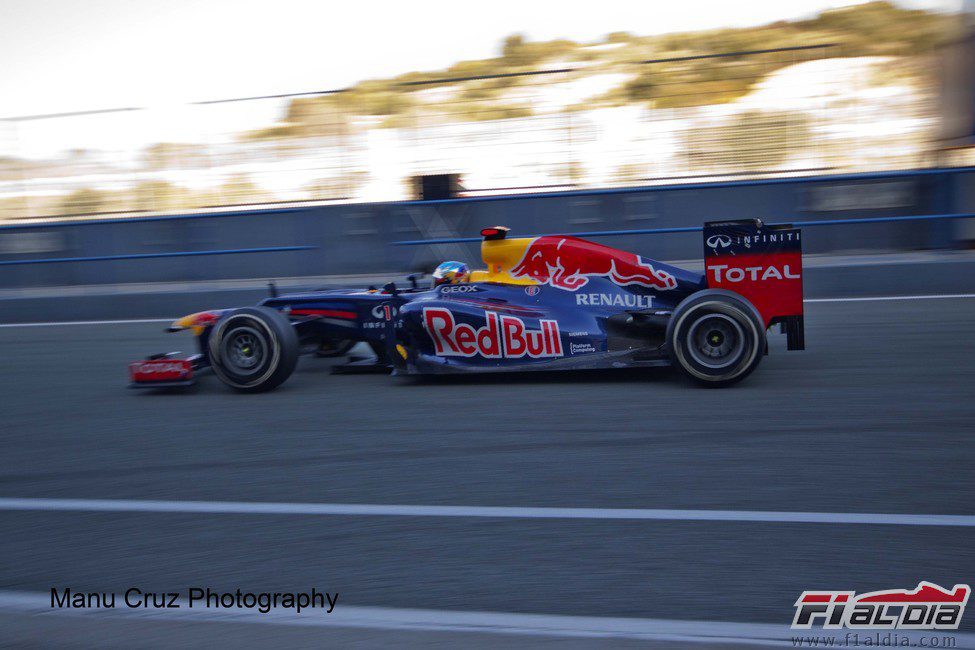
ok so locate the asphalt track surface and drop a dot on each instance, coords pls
(875, 417)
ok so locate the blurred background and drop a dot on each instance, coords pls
(158, 159)
(849, 89)
(818, 112)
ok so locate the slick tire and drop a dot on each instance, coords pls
(253, 349)
(715, 338)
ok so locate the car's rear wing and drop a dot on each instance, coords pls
(762, 263)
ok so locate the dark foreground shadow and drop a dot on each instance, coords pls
(602, 376)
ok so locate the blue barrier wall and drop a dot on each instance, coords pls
(356, 238)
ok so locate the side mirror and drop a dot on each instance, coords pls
(391, 289)
(413, 283)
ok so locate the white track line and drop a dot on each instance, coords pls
(447, 621)
(420, 620)
(504, 512)
(886, 298)
(90, 322)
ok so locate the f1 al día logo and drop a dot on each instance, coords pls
(929, 607)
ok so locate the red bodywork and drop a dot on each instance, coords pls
(160, 370)
(770, 281)
(568, 262)
(761, 263)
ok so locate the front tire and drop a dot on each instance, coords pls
(253, 349)
(716, 338)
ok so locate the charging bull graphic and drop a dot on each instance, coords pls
(568, 263)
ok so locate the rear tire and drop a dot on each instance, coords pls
(716, 338)
(253, 349)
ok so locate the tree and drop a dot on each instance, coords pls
(239, 188)
(754, 140)
(513, 49)
(157, 195)
(173, 155)
(84, 201)
(619, 37)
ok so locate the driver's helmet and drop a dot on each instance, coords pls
(451, 273)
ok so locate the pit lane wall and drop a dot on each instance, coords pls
(354, 238)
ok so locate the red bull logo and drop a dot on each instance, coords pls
(502, 337)
(568, 263)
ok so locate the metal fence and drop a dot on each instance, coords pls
(779, 112)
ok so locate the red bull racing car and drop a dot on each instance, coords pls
(553, 302)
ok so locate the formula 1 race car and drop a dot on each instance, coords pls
(552, 302)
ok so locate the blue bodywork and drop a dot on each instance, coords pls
(602, 324)
(550, 302)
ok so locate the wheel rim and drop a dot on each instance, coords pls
(715, 341)
(244, 350)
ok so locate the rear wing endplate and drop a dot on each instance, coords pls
(762, 263)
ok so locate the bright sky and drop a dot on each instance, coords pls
(68, 55)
